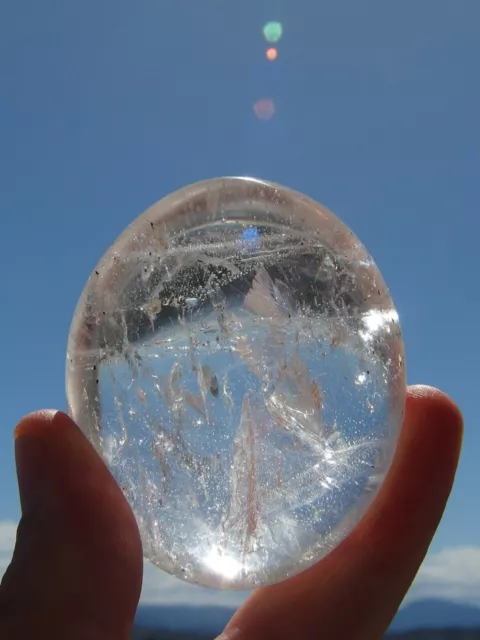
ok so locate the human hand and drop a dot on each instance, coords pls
(77, 567)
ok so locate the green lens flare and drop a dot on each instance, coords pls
(273, 31)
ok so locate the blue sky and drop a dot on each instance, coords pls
(106, 106)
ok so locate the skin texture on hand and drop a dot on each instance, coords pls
(77, 567)
(76, 572)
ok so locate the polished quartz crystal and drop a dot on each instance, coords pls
(237, 360)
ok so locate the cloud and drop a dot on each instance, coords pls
(452, 573)
(8, 532)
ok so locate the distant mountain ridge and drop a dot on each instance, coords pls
(193, 619)
(205, 622)
(419, 634)
(422, 634)
(436, 614)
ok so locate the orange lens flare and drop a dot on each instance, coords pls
(272, 54)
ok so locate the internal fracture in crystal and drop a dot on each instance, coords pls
(237, 360)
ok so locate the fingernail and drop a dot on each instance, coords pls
(33, 421)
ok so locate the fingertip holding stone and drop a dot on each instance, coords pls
(32, 421)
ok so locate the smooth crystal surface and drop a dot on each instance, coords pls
(237, 360)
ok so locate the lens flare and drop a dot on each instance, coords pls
(272, 54)
(273, 31)
(264, 109)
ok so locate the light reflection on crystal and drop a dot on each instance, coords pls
(222, 565)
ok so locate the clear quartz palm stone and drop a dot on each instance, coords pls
(237, 360)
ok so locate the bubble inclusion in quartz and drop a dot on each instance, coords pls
(237, 360)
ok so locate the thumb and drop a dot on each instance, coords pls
(76, 570)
